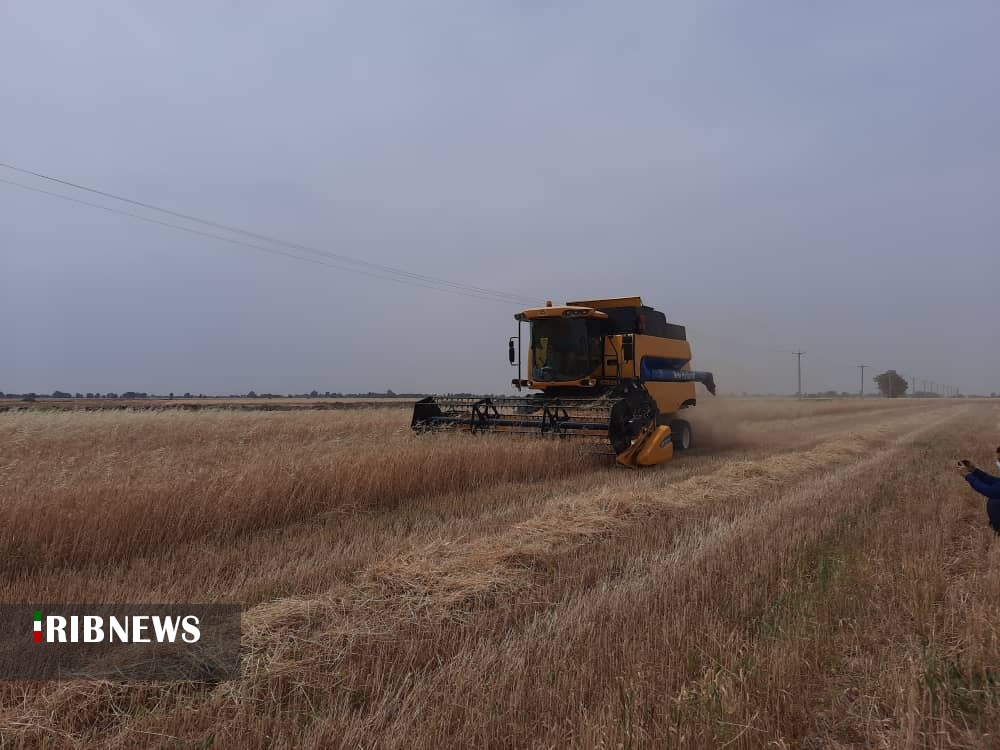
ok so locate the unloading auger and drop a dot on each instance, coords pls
(610, 369)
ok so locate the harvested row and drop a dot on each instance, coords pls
(711, 633)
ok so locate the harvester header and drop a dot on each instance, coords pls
(607, 368)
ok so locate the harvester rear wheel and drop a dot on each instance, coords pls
(680, 431)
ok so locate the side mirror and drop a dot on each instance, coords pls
(628, 348)
(511, 352)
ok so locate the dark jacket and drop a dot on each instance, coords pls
(989, 487)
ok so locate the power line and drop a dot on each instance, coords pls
(327, 258)
(339, 257)
(252, 245)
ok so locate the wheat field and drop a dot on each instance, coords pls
(813, 575)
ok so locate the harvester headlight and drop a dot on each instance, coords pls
(576, 313)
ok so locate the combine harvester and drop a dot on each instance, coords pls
(607, 368)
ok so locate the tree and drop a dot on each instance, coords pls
(891, 384)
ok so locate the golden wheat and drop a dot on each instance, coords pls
(814, 575)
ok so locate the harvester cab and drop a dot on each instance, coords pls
(611, 369)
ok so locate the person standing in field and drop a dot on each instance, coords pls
(986, 485)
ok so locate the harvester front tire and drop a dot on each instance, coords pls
(680, 431)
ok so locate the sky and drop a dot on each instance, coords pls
(775, 176)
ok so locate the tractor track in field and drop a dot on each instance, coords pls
(450, 574)
(508, 588)
(583, 609)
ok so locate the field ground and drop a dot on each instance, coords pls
(814, 575)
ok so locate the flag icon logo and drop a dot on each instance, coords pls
(38, 626)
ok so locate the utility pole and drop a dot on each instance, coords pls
(862, 368)
(799, 355)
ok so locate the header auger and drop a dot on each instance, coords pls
(610, 369)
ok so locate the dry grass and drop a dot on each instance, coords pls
(814, 576)
(106, 487)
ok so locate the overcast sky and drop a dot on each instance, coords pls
(773, 175)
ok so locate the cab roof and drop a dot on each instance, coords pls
(561, 311)
(613, 302)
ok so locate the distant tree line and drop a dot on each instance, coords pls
(388, 393)
(889, 383)
(32, 396)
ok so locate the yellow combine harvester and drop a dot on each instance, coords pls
(606, 368)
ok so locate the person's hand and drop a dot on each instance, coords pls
(965, 467)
